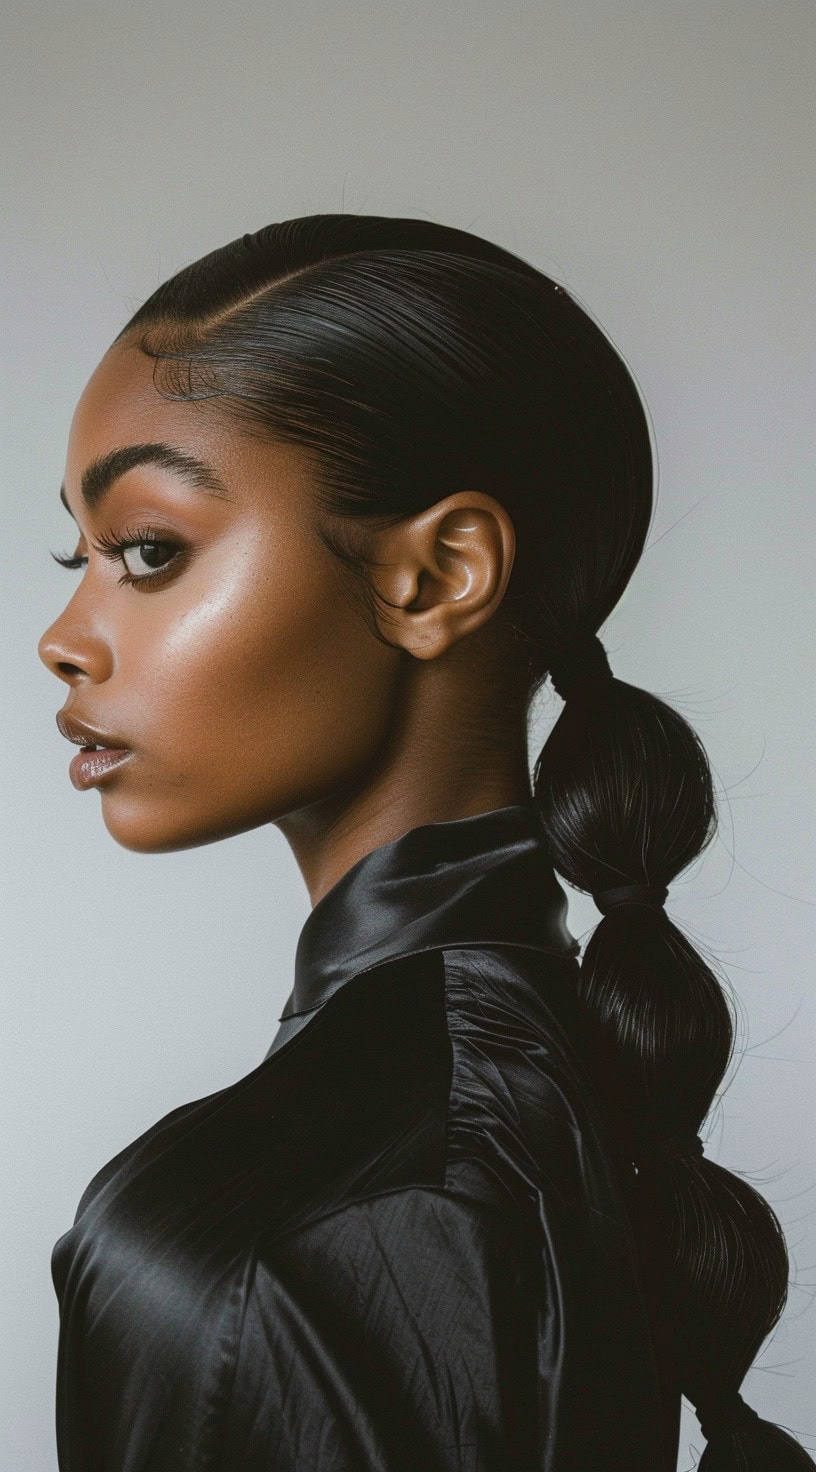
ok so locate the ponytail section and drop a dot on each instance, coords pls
(624, 790)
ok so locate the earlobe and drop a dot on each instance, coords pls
(442, 573)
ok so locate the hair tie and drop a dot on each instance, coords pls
(584, 658)
(653, 895)
(729, 1413)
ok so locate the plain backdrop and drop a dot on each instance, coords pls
(655, 158)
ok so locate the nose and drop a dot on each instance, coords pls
(74, 653)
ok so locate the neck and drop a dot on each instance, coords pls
(427, 784)
(457, 746)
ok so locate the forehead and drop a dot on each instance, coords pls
(121, 406)
(119, 403)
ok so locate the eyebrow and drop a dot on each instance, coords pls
(100, 475)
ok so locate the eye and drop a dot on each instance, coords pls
(144, 544)
(148, 549)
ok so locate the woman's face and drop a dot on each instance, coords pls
(244, 680)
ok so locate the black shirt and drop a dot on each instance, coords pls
(402, 1242)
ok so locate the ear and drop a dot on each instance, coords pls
(443, 572)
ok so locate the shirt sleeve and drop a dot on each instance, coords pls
(398, 1334)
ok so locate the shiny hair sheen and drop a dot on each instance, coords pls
(411, 360)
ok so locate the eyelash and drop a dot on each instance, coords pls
(113, 547)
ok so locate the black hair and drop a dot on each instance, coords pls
(410, 360)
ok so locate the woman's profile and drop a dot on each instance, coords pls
(348, 491)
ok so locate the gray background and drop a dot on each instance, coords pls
(655, 158)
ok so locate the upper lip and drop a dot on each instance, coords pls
(73, 729)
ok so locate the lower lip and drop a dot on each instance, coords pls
(91, 767)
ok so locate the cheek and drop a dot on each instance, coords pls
(312, 687)
(270, 670)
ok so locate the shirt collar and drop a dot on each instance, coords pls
(475, 880)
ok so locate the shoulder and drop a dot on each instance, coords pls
(458, 1069)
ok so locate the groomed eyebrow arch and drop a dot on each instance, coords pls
(100, 475)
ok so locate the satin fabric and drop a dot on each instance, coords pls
(403, 1242)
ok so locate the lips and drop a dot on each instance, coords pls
(88, 736)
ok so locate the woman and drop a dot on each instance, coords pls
(378, 479)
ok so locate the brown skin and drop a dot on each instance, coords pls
(248, 684)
